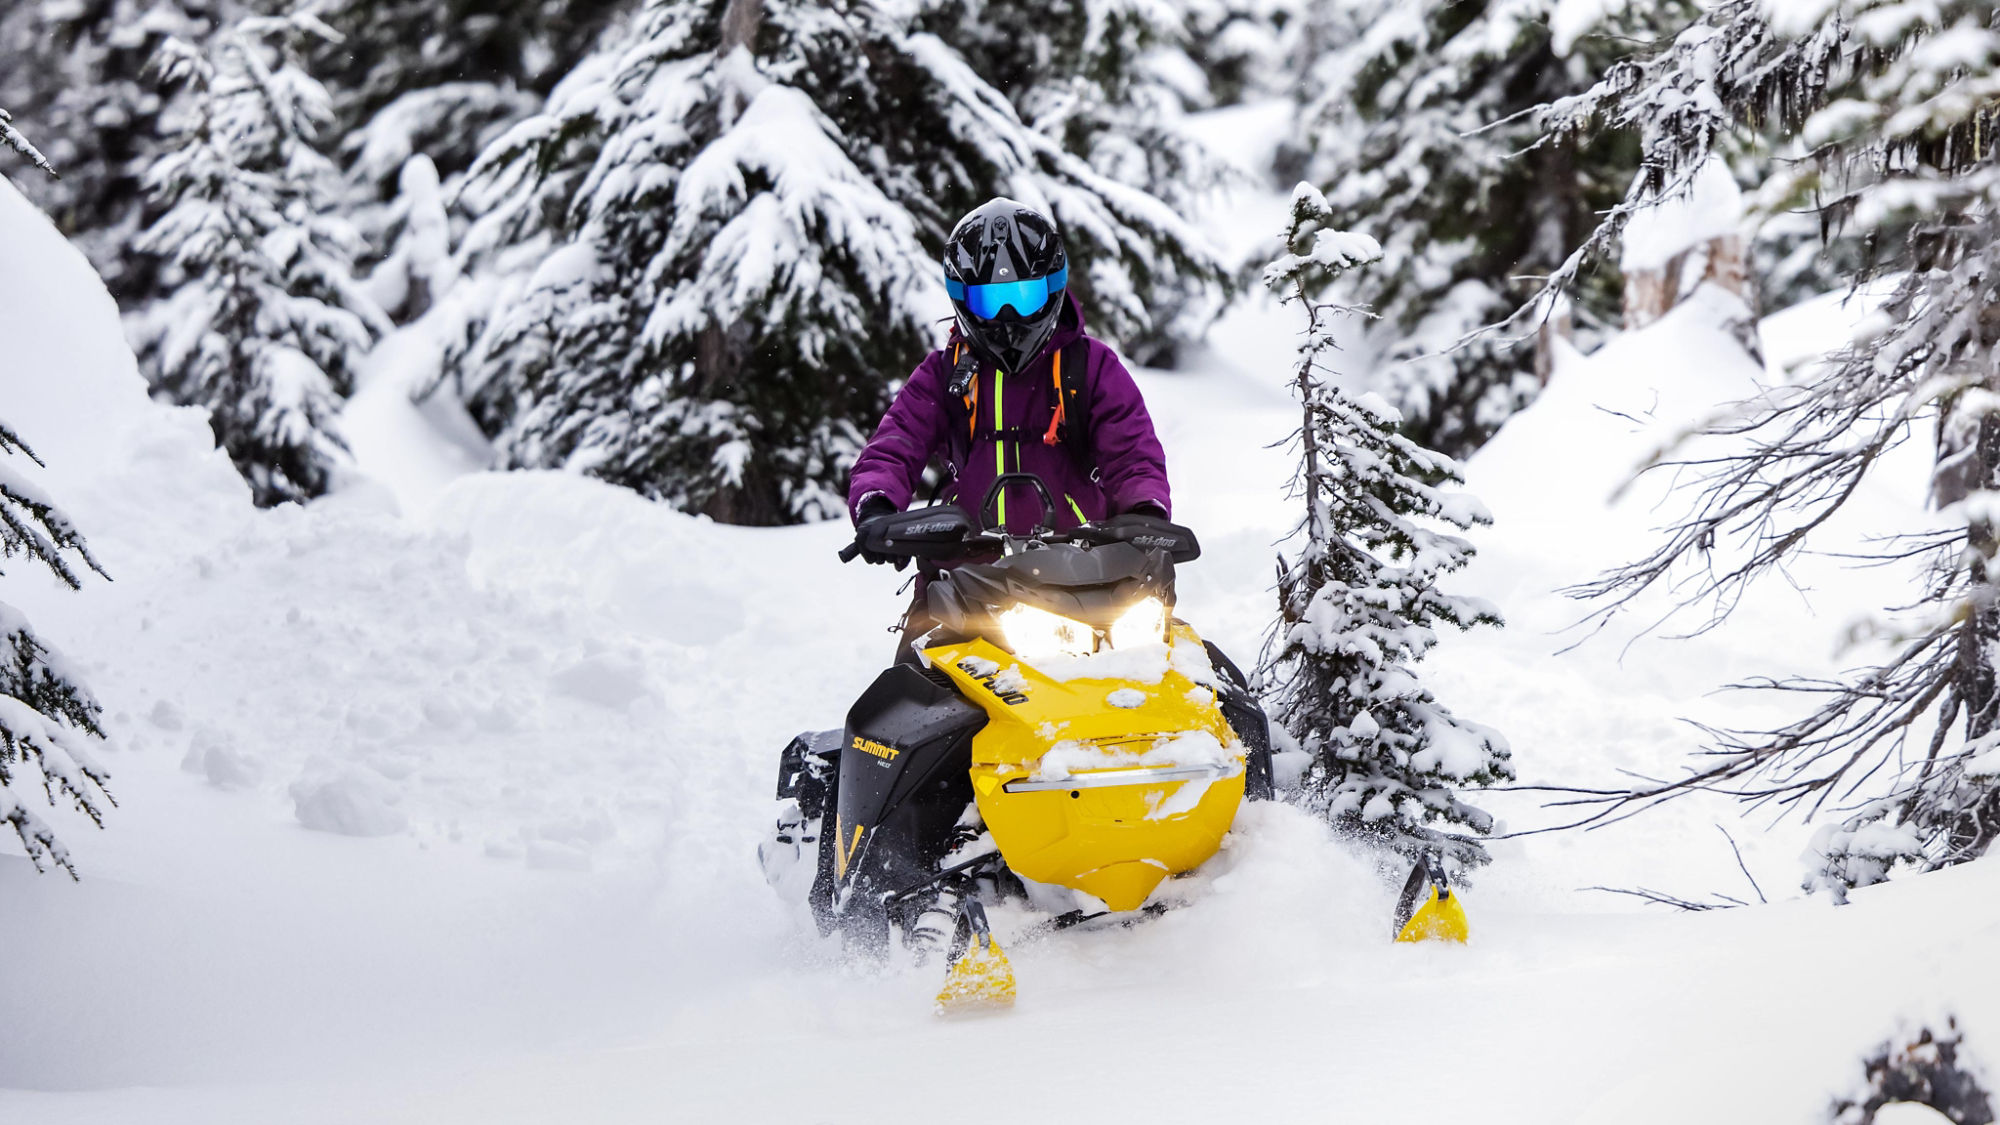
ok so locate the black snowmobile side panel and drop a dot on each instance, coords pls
(903, 782)
(1246, 717)
(805, 768)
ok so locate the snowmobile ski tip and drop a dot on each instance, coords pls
(1440, 918)
(979, 977)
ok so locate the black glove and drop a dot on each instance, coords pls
(1147, 526)
(871, 510)
(1144, 514)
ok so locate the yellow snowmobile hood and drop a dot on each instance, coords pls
(1107, 774)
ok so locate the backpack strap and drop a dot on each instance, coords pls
(1070, 426)
(963, 387)
(1069, 423)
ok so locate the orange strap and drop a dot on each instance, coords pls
(1055, 423)
(971, 397)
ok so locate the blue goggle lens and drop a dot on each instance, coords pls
(1025, 297)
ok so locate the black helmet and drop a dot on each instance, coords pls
(1006, 272)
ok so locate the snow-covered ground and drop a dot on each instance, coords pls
(438, 799)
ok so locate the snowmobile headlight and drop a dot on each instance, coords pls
(1033, 632)
(1143, 623)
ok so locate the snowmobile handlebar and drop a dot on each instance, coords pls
(934, 533)
(1043, 523)
(944, 532)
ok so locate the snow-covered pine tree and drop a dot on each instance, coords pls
(410, 77)
(47, 716)
(717, 285)
(1243, 49)
(416, 227)
(390, 48)
(709, 257)
(1359, 604)
(262, 323)
(1892, 103)
(1418, 118)
(1108, 80)
(442, 78)
(78, 72)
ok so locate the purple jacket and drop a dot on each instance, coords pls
(1127, 462)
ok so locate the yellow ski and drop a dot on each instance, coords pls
(1440, 918)
(979, 977)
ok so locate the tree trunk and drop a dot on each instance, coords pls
(740, 23)
(1652, 294)
(1729, 267)
(718, 355)
(756, 498)
(1558, 325)
(1978, 641)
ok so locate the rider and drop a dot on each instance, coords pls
(996, 399)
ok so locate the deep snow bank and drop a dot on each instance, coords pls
(139, 479)
(393, 794)
(550, 681)
(1581, 704)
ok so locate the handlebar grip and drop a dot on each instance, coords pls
(851, 552)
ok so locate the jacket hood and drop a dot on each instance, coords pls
(1069, 325)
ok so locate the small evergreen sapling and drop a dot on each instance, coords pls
(1359, 603)
(263, 323)
(47, 717)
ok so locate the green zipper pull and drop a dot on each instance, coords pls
(1000, 443)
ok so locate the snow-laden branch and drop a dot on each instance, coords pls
(12, 138)
(46, 715)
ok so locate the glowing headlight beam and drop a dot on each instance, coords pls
(1033, 632)
(1144, 623)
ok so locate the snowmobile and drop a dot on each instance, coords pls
(1058, 727)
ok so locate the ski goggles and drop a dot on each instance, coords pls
(1026, 297)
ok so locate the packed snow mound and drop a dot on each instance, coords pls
(1568, 470)
(137, 478)
(555, 680)
(352, 802)
(405, 434)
